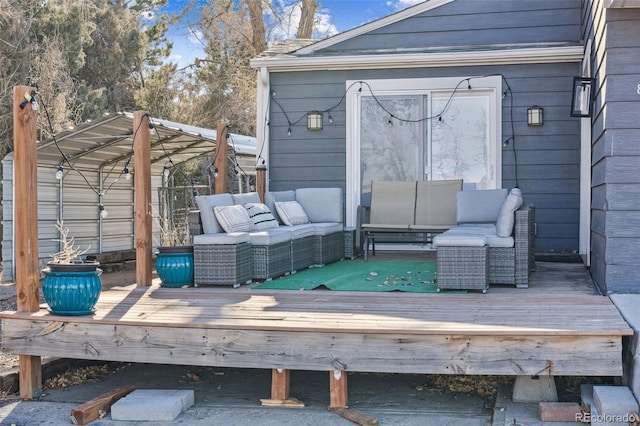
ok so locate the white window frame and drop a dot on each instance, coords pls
(414, 86)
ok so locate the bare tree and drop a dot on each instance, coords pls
(257, 25)
(307, 19)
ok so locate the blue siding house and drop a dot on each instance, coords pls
(444, 89)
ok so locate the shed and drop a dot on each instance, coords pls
(101, 153)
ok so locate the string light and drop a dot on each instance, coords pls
(166, 171)
(127, 174)
(289, 131)
(103, 212)
(59, 173)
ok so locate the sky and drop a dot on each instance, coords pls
(335, 16)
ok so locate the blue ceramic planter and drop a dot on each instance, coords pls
(174, 266)
(72, 289)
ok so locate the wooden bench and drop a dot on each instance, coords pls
(425, 207)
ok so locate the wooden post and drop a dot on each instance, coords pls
(142, 188)
(280, 384)
(221, 158)
(337, 389)
(25, 165)
(261, 180)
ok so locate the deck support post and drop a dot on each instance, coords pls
(338, 389)
(26, 225)
(280, 384)
(220, 184)
(142, 187)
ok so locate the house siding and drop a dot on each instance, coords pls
(616, 153)
(476, 23)
(547, 156)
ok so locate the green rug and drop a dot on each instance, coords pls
(416, 277)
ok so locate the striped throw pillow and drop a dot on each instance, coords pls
(261, 216)
(234, 219)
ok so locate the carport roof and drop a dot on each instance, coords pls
(108, 142)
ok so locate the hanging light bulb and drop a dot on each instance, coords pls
(330, 119)
(103, 212)
(59, 172)
(289, 131)
(390, 122)
(166, 171)
(215, 172)
(127, 174)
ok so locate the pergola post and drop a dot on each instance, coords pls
(142, 189)
(221, 159)
(26, 226)
(261, 180)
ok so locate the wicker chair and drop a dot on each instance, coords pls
(493, 228)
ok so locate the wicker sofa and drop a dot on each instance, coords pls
(238, 239)
(493, 241)
(408, 207)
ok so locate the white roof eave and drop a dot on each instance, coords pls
(423, 60)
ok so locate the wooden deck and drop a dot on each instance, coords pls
(558, 326)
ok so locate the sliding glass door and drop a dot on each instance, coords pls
(422, 129)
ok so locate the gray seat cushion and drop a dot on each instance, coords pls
(321, 204)
(206, 203)
(481, 206)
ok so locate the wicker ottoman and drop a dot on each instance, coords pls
(222, 264)
(463, 268)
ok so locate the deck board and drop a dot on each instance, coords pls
(505, 331)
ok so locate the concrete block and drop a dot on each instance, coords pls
(598, 419)
(586, 394)
(614, 400)
(627, 304)
(530, 390)
(559, 411)
(152, 405)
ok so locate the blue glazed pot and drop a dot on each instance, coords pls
(174, 266)
(72, 289)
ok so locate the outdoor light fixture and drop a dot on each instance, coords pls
(314, 120)
(535, 116)
(582, 99)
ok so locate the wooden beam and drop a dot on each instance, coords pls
(358, 417)
(261, 180)
(337, 389)
(36, 334)
(221, 158)
(98, 406)
(25, 166)
(142, 188)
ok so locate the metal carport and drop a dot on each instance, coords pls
(100, 150)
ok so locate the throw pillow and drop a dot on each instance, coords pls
(261, 216)
(506, 217)
(291, 213)
(234, 218)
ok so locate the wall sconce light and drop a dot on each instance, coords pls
(582, 99)
(535, 116)
(314, 120)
